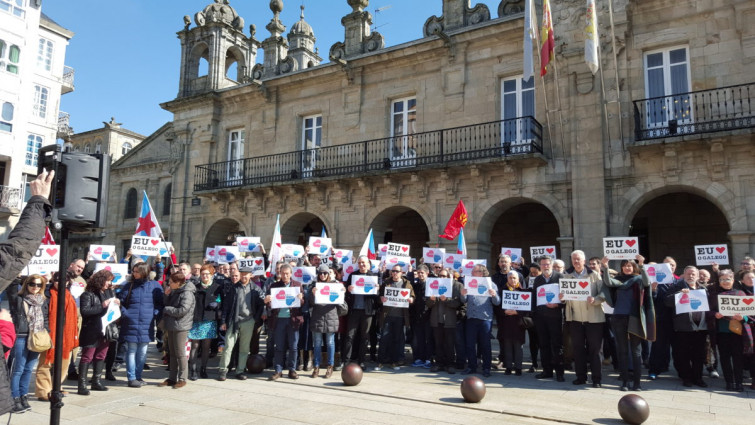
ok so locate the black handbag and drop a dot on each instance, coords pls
(112, 332)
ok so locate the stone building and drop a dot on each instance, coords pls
(111, 139)
(657, 144)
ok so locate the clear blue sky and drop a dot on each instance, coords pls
(126, 53)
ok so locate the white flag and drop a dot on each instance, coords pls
(591, 37)
(529, 35)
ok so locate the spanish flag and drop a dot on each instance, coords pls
(457, 221)
(546, 37)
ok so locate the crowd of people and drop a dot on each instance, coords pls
(220, 310)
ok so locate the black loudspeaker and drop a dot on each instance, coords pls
(80, 190)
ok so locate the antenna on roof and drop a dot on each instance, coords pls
(377, 12)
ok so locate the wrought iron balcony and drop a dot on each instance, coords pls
(65, 131)
(68, 74)
(10, 199)
(698, 112)
(497, 139)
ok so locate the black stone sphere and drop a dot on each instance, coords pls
(351, 374)
(255, 363)
(633, 409)
(472, 389)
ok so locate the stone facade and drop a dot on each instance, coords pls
(111, 139)
(588, 176)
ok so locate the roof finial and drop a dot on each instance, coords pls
(302, 11)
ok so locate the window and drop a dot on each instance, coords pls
(40, 101)
(87, 148)
(517, 105)
(166, 198)
(235, 154)
(403, 126)
(44, 54)
(125, 148)
(6, 117)
(67, 147)
(130, 211)
(310, 141)
(15, 7)
(98, 148)
(33, 143)
(667, 81)
(9, 57)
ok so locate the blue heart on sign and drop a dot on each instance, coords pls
(323, 249)
(367, 287)
(306, 278)
(695, 303)
(296, 253)
(442, 290)
(481, 289)
(162, 251)
(252, 246)
(333, 297)
(105, 255)
(549, 296)
(457, 264)
(290, 299)
(514, 257)
(117, 277)
(110, 316)
(230, 257)
(436, 257)
(660, 276)
(344, 260)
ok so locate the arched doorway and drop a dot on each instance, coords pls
(674, 223)
(300, 227)
(401, 225)
(523, 226)
(223, 232)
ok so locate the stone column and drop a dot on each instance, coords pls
(741, 246)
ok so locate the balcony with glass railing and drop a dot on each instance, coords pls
(67, 82)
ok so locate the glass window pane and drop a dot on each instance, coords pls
(14, 54)
(678, 55)
(655, 83)
(308, 123)
(654, 59)
(398, 107)
(526, 84)
(319, 121)
(7, 113)
(412, 104)
(509, 106)
(679, 83)
(528, 103)
(509, 86)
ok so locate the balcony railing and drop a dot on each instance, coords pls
(68, 74)
(497, 139)
(64, 128)
(10, 197)
(704, 111)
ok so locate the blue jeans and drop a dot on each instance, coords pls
(24, 362)
(330, 342)
(478, 338)
(137, 355)
(285, 337)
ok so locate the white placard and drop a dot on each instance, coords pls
(621, 248)
(730, 305)
(365, 285)
(660, 272)
(304, 275)
(227, 253)
(468, 265)
(101, 252)
(705, 255)
(433, 255)
(257, 264)
(348, 269)
(514, 253)
(437, 286)
(478, 286)
(575, 289)
(144, 245)
(46, 260)
(119, 271)
(516, 300)
(329, 293)
(248, 243)
(548, 294)
(392, 260)
(210, 254)
(112, 314)
(382, 249)
(453, 261)
(397, 249)
(292, 251)
(396, 297)
(285, 297)
(694, 301)
(542, 251)
(375, 266)
(165, 248)
(342, 256)
(319, 246)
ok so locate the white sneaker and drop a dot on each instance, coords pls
(377, 368)
(396, 367)
(713, 374)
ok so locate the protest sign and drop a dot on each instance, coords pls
(706, 255)
(342, 256)
(304, 275)
(621, 248)
(256, 264)
(731, 305)
(365, 285)
(227, 254)
(46, 260)
(660, 272)
(433, 255)
(210, 254)
(396, 297)
(548, 294)
(397, 249)
(542, 251)
(574, 289)
(248, 243)
(437, 286)
(291, 251)
(382, 249)
(285, 297)
(112, 314)
(468, 265)
(319, 246)
(144, 245)
(694, 301)
(101, 252)
(329, 293)
(453, 261)
(392, 260)
(514, 253)
(478, 286)
(516, 300)
(119, 271)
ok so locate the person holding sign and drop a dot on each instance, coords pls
(586, 319)
(479, 323)
(285, 324)
(362, 309)
(443, 319)
(205, 325)
(633, 318)
(549, 323)
(733, 335)
(511, 329)
(690, 330)
(241, 309)
(178, 317)
(324, 321)
(94, 304)
(393, 320)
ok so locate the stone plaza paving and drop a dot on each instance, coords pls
(409, 396)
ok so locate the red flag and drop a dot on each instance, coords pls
(546, 38)
(457, 221)
(48, 240)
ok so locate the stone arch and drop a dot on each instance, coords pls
(300, 226)
(200, 51)
(218, 233)
(518, 222)
(401, 224)
(234, 58)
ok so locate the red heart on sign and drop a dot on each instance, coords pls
(212, 253)
(508, 252)
(584, 284)
(470, 264)
(98, 251)
(244, 242)
(349, 269)
(384, 249)
(550, 250)
(430, 253)
(107, 268)
(404, 293)
(258, 262)
(222, 251)
(299, 273)
(394, 260)
(325, 290)
(404, 248)
(51, 251)
(525, 296)
(449, 260)
(154, 241)
(316, 243)
(473, 283)
(748, 301)
(721, 249)
(360, 282)
(631, 242)
(281, 295)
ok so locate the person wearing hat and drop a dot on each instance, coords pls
(241, 309)
(324, 320)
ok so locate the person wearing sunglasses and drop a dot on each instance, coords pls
(324, 321)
